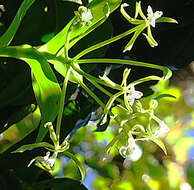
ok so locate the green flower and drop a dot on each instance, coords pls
(145, 22)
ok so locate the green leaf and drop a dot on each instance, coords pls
(47, 91)
(31, 146)
(97, 9)
(46, 88)
(6, 38)
(18, 131)
(159, 143)
(78, 163)
(19, 114)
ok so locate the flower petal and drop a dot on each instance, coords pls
(129, 46)
(127, 17)
(150, 38)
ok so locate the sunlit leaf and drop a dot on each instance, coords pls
(46, 88)
(18, 131)
(97, 9)
(47, 92)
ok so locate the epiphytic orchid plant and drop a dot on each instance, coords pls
(48, 91)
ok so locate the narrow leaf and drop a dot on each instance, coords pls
(47, 91)
(18, 131)
(97, 9)
(7, 37)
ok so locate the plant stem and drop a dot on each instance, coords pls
(104, 90)
(92, 95)
(61, 103)
(106, 42)
(166, 72)
(119, 61)
(89, 77)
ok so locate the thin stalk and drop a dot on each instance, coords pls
(61, 103)
(119, 61)
(106, 42)
(67, 38)
(90, 77)
(92, 95)
(104, 90)
(100, 88)
(166, 72)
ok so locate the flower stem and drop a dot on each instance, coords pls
(92, 95)
(166, 72)
(106, 42)
(61, 103)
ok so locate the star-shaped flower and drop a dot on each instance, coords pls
(47, 161)
(145, 22)
(129, 92)
(84, 16)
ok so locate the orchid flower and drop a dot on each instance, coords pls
(46, 162)
(129, 92)
(84, 16)
(146, 22)
(125, 151)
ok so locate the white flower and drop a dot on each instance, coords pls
(163, 129)
(45, 161)
(50, 161)
(84, 14)
(152, 17)
(125, 151)
(133, 94)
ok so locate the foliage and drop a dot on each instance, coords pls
(62, 72)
